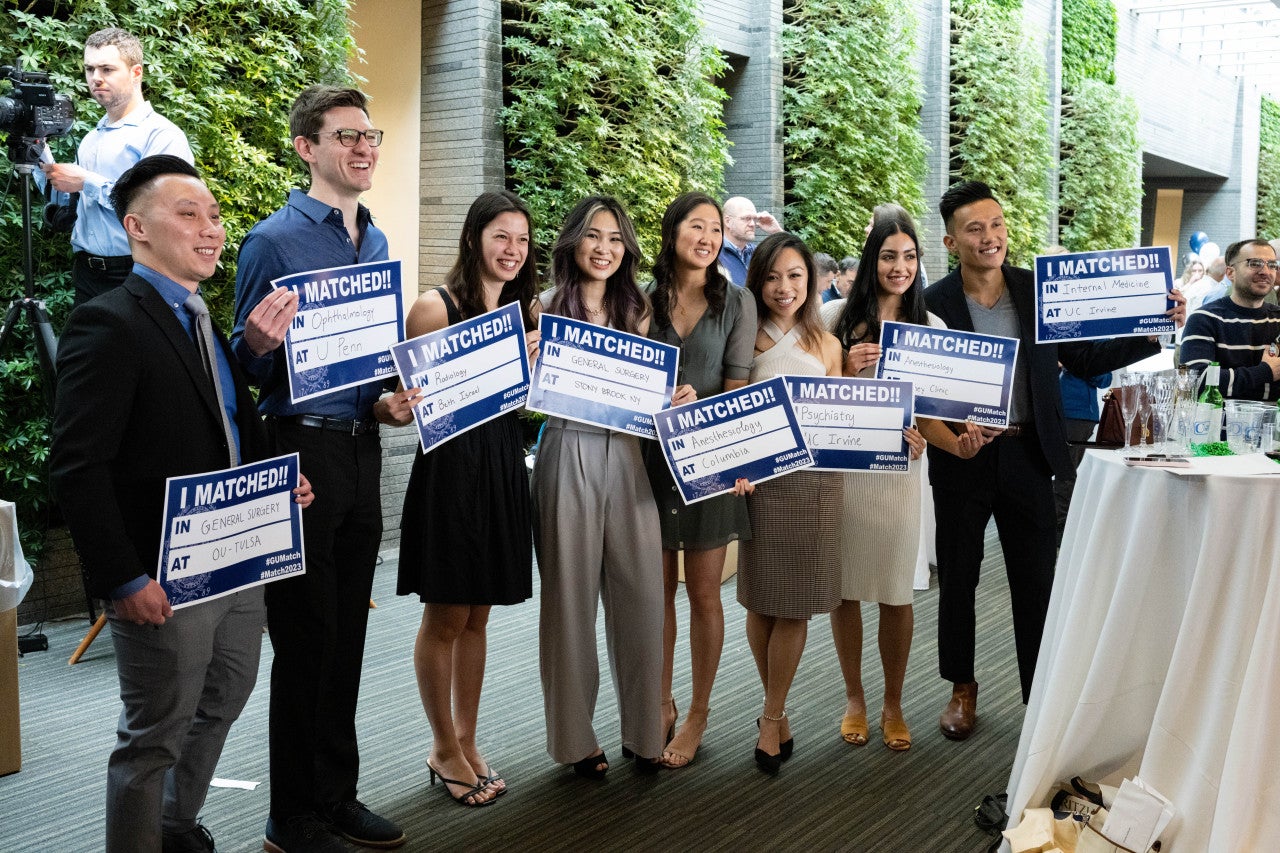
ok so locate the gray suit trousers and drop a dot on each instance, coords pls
(597, 536)
(183, 684)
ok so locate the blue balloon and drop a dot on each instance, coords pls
(1198, 240)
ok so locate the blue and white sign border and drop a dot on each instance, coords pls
(884, 395)
(968, 397)
(193, 522)
(376, 339)
(1103, 295)
(769, 399)
(491, 365)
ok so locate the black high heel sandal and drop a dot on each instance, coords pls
(644, 766)
(589, 767)
(787, 747)
(771, 764)
(466, 798)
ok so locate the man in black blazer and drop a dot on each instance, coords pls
(1011, 476)
(135, 405)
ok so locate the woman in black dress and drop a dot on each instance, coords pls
(466, 541)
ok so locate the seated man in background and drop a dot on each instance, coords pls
(1236, 330)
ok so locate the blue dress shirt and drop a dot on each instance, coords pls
(306, 234)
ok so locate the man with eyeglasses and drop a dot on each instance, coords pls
(740, 223)
(1240, 331)
(317, 621)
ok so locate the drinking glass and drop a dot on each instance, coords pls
(1160, 390)
(1130, 400)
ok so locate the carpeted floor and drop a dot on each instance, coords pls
(831, 796)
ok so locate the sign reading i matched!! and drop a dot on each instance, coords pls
(1114, 294)
(229, 530)
(601, 376)
(853, 424)
(469, 373)
(751, 432)
(958, 376)
(348, 317)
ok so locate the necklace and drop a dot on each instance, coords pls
(594, 312)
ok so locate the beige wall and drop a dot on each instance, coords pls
(390, 34)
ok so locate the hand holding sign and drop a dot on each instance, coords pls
(269, 321)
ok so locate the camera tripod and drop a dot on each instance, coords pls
(37, 318)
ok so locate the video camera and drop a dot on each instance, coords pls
(32, 111)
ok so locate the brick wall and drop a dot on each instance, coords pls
(748, 33)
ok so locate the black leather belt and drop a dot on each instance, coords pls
(108, 262)
(356, 427)
(1015, 430)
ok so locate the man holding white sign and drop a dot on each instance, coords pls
(1012, 476)
(135, 352)
(318, 620)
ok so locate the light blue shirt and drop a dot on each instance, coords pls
(106, 152)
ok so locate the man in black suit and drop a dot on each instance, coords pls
(135, 405)
(1010, 477)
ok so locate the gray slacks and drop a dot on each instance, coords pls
(597, 538)
(183, 684)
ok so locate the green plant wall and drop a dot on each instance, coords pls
(1088, 41)
(1269, 171)
(1100, 154)
(226, 72)
(850, 103)
(616, 97)
(999, 117)
(1100, 197)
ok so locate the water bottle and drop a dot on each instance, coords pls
(1206, 423)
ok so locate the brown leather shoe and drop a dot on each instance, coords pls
(958, 717)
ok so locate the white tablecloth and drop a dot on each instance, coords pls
(1161, 653)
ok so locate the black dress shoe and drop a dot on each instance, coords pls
(305, 833)
(357, 824)
(197, 839)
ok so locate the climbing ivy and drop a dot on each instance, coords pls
(614, 97)
(850, 104)
(224, 72)
(1269, 171)
(1088, 41)
(1100, 196)
(999, 117)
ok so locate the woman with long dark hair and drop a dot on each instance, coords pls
(880, 533)
(465, 541)
(595, 521)
(790, 568)
(714, 324)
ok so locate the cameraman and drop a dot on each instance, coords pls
(129, 131)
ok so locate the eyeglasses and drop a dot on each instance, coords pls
(1256, 264)
(349, 137)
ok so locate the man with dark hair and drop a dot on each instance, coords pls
(1011, 476)
(129, 131)
(843, 282)
(184, 676)
(317, 621)
(1238, 330)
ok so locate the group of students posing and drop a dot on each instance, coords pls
(607, 521)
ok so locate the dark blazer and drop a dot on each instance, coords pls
(134, 406)
(1083, 358)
